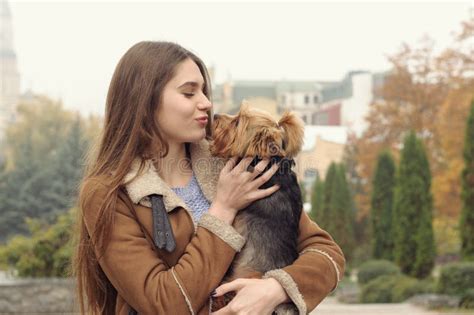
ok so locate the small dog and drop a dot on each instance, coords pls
(270, 225)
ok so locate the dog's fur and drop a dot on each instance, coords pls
(270, 225)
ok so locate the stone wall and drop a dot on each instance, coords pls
(37, 296)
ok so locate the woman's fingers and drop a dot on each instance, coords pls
(243, 165)
(230, 164)
(262, 193)
(234, 285)
(259, 168)
(266, 176)
(238, 187)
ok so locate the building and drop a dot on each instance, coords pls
(346, 103)
(330, 110)
(9, 76)
(322, 146)
(341, 103)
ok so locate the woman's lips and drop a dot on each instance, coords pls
(202, 121)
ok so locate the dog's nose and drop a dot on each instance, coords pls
(216, 116)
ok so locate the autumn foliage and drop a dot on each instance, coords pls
(428, 91)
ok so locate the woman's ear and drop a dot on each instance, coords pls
(293, 128)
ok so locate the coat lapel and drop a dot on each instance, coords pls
(206, 169)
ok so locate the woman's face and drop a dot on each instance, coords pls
(183, 102)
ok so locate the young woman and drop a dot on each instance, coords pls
(155, 231)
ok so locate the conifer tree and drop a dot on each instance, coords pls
(467, 212)
(317, 201)
(412, 215)
(341, 224)
(381, 207)
(325, 217)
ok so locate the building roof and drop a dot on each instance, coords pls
(337, 134)
(241, 92)
(298, 86)
(330, 90)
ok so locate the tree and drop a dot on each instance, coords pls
(381, 207)
(412, 215)
(317, 201)
(341, 222)
(325, 218)
(428, 92)
(69, 165)
(467, 177)
(44, 153)
(303, 191)
(46, 253)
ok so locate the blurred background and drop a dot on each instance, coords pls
(386, 91)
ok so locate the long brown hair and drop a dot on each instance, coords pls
(130, 131)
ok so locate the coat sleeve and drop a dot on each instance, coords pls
(143, 279)
(315, 273)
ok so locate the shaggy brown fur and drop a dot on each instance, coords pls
(270, 225)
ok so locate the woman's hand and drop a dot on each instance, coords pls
(254, 296)
(237, 187)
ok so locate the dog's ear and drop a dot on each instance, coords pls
(222, 143)
(293, 128)
(223, 136)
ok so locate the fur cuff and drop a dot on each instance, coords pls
(286, 309)
(225, 231)
(325, 254)
(291, 289)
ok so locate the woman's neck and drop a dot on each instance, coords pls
(175, 168)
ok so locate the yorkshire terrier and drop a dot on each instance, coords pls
(270, 224)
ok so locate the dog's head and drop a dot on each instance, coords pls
(253, 132)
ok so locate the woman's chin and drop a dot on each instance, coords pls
(198, 137)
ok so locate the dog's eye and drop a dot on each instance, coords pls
(236, 122)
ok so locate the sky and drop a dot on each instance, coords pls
(69, 49)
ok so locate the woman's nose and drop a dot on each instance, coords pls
(205, 103)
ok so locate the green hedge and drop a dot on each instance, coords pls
(378, 290)
(467, 299)
(456, 278)
(392, 289)
(373, 269)
(406, 287)
(46, 253)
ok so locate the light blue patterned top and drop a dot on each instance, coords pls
(192, 195)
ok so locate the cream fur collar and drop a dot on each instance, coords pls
(206, 169)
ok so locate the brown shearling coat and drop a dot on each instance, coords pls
(153, 281)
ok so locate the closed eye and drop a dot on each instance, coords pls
(189, 95)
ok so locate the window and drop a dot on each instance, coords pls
(310, 176)
(311, 173)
